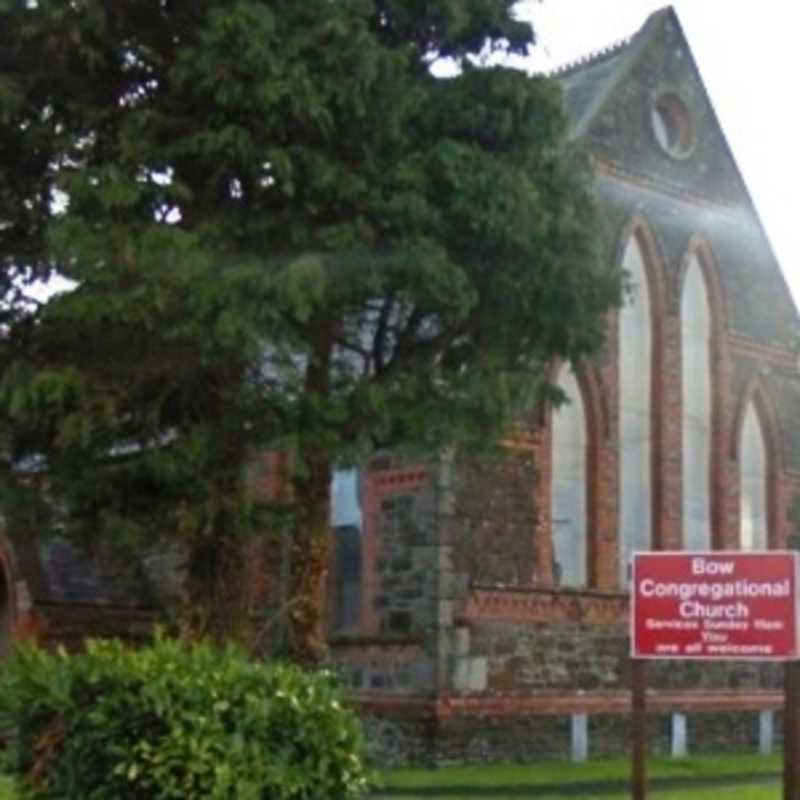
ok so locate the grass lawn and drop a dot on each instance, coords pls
(607, 779)
(772, 791)
(539, 781)
(594, 780)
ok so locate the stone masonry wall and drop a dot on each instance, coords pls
(579, 656)
(474, 738)
(395, 649)
(494, 519)
(542, 656)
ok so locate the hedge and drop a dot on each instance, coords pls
(176, 721)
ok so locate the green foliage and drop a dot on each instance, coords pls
(284, 232)
(172, 721)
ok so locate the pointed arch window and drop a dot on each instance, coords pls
(635, 419)
(568, 502)
(696, 409)
(754, 467)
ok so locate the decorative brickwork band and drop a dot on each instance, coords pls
(564, 703)
(543, 605)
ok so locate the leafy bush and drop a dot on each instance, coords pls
(177, 721)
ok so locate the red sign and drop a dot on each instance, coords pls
(715, 605)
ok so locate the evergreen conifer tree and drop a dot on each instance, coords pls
(283, 233)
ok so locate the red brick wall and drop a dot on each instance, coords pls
(599, 384)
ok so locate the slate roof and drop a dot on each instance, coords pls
(588, 82)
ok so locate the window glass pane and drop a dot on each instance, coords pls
(635, 469)
(568, 484)
(345, 507)
(346, 519)
(696, 410)
(753, 502)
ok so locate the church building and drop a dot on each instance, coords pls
(482, 609)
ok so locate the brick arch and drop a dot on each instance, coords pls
(598, 432)
(699, 247)
(709, 265)
(593, 394)
(594, 425)
(595, 399)
(595, 404)
(756, 392)
(639, 228)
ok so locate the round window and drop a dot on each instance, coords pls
(672, 125)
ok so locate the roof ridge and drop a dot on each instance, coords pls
(609, 50)
(592, 58)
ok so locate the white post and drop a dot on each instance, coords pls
(766, 732)
(679, 739)
(579, 728)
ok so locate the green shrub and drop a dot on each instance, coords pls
(177, 721)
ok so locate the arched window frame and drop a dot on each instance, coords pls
(588, 393)
(755, 394)
(638, 230)
(701, 251)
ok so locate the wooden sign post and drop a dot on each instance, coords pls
(791, 731)
(715, 606)
(638, 728)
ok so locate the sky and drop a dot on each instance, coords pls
(749, 57)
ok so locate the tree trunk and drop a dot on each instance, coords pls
(216, 598)
(308, 570)
(310, 545)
